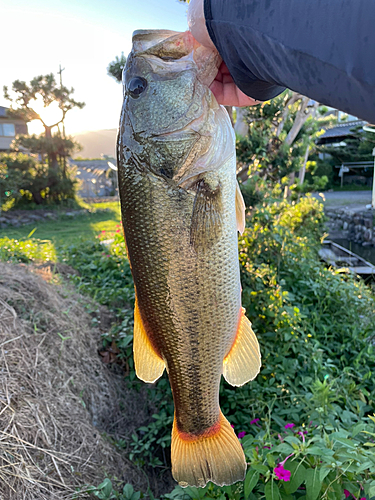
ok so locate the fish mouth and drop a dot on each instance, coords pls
(171, 46)
(145, 39)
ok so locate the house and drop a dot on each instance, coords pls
(9, 128)
(360, 172)
(336, 135)
(96, 177)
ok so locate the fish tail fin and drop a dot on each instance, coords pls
(215, 455)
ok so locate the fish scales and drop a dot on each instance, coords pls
(179, 220)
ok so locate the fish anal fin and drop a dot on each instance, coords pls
(216, 455)
(207, 216)
(240, 210)
(243, 361)
(148, 364)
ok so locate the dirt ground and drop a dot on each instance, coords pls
(356, 200)
(61, 408)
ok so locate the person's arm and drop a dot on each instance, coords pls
(324, 49)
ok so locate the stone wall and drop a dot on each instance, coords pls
(18, 218)
(355, 226)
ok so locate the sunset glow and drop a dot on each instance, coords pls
(84, 37)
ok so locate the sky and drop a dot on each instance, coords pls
(84, 36)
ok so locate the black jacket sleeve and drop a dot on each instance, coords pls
(324, 49)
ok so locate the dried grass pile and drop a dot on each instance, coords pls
(56, 397)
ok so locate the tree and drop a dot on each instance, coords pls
(116, 67)
(46, 89)
(281, 135)
(52, 146)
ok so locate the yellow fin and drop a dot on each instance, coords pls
(216, 455)
(148, 364)
(243, 361)
(240, 210)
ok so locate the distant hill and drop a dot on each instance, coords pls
(96, 143)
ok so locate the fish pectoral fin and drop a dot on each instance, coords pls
(148, 364)
(243, 361)
(215, 455)
(207, 216)
(240, 210)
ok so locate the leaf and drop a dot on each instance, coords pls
(192, 492)
(357, 429)
(347, 442)
(32, 232)
(296, 478)
(338, 489)
(293, 440)
(261, 468)
(370, 489)
(313, 484)
(150, 494)
(324, 471)
(314, 450)
(251, 480)
(283, 448)
(104, 490)
(271, 491)
(271, 460)
(128, 491)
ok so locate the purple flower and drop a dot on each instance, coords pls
(289, 426)
(303, 436)
(254, 421)
(346, 493)
(268, 447)
(281, 473)
(241, 434)
(232, 426)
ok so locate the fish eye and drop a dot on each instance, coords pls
(136, 86)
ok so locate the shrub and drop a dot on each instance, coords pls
(26, 180)
(316, 333)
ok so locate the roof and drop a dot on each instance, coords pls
(91, 164)
(341, 130)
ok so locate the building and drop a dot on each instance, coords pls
(96, 177)
(9, 128)
(336, 135)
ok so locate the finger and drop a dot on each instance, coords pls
(230, 95)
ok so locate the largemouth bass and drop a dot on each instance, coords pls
(181, 207)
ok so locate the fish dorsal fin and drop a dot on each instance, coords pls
(148, 364)
(243, 361)
(240, 210)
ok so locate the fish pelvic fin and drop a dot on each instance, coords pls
(148, 364)
(243, 361)
(215, 455)
(240, 210)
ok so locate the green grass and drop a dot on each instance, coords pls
(67, 231)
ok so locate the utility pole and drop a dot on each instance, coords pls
(60, 73)
(63, 124)
(370, 129)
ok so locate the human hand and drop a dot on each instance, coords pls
(223, 87)
(226, 91)
(197, 23)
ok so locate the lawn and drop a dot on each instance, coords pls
(66, 231)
